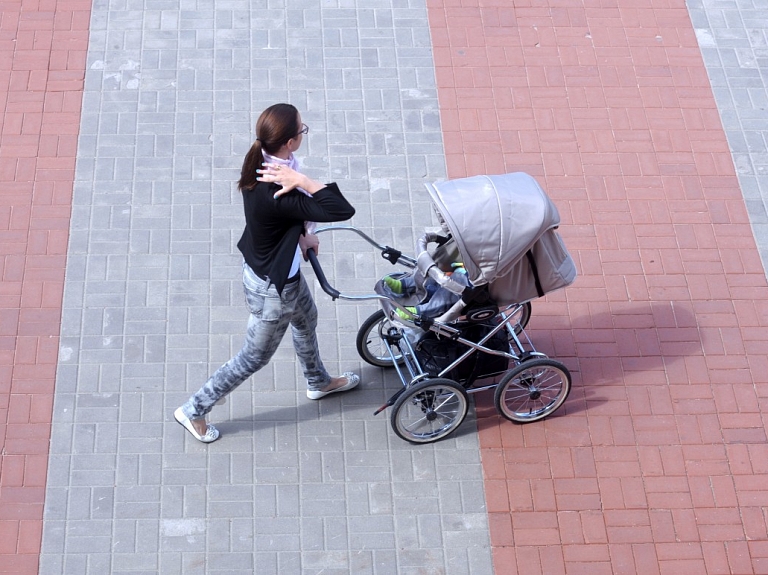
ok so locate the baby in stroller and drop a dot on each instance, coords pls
(438, 299)
(425, 297)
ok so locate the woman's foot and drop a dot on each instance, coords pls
(199, 429)
(344, 382)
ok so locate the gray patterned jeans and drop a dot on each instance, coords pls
(271, 314)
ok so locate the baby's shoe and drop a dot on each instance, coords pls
(395, 285)
(401, 314)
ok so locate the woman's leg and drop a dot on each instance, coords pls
(303, 330)
(267, 325)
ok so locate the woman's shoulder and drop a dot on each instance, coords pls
(258, 187)
(259, 194)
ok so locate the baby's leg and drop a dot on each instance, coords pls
(401, 286)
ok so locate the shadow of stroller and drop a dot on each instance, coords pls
(630, 344)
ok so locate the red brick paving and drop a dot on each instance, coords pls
(42, 61)
(657, 463)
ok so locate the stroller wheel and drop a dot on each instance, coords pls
(429, 410)
(532, 390)
(370, 341)
(521, 317)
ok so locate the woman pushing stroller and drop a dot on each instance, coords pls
(281, 206)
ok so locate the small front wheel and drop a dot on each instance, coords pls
(532, 390)
(429, 410)
(370, 341)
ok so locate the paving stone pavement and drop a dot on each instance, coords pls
(153, 303)
(733, 37)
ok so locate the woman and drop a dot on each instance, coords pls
(281, 206)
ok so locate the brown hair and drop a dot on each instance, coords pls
(276, 125)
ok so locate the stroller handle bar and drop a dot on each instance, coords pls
(390, 254)
(328, 288)
(425, 263)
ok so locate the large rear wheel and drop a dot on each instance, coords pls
(520, 318)
(532, 390)
(370, 341)
(429, 410)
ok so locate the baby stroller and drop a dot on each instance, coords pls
(503, 231)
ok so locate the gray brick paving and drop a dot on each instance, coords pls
(733, 37)
(153, 303)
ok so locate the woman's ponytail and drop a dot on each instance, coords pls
(252, 162)
(274, 128)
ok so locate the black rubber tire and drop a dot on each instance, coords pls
(532, 390)
(429, 410)
(525, 317)
(369, 343)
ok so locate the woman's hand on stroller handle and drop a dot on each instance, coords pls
(327, 288)
(309, 242)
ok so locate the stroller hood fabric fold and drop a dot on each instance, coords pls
(495, 221)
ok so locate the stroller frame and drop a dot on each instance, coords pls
(430, 406)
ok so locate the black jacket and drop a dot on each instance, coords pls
(273, 226)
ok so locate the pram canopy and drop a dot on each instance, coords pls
(504, 228)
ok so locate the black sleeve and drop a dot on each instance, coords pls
(326, 205)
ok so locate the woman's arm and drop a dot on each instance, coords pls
(309, 241)
(326, 203)
(288, 178)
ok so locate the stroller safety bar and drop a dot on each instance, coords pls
(428, 267)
